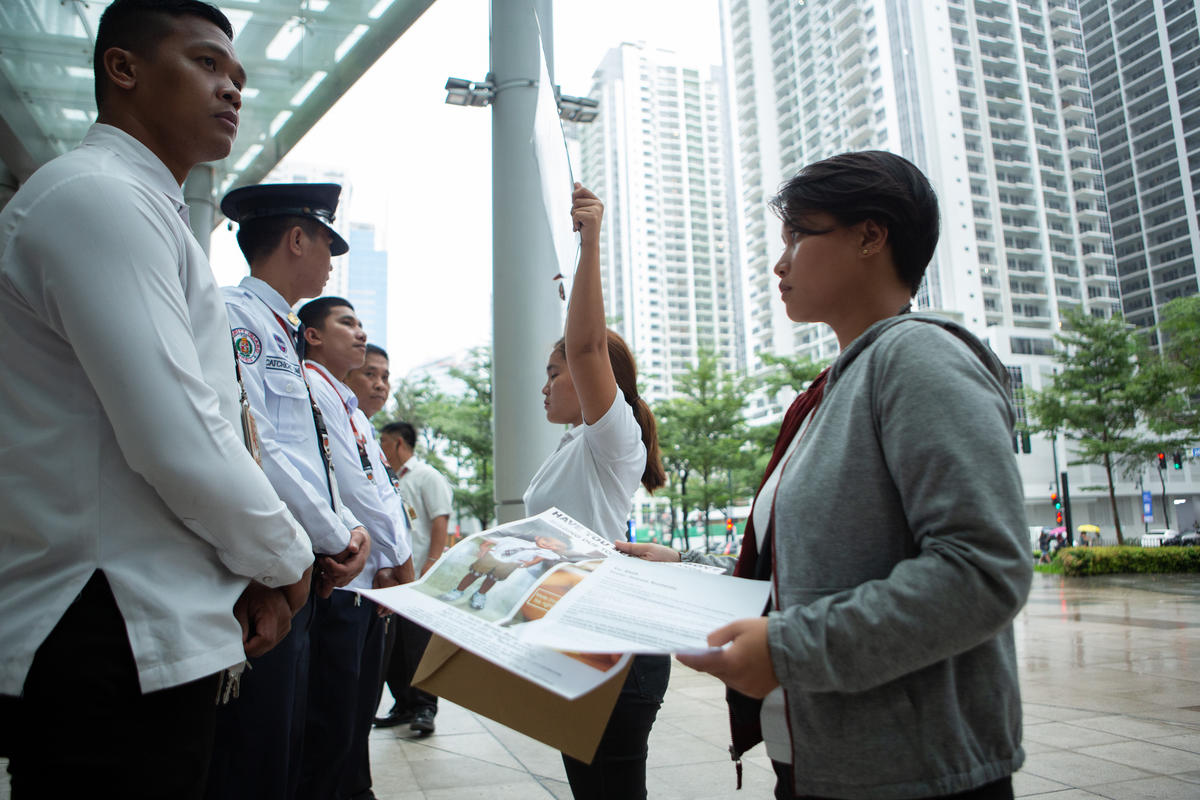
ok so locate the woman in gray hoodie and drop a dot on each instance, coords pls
(890, 521)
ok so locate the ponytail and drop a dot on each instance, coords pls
(625, 371)
(654, 476)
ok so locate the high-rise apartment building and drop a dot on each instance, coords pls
(1143, 60)
(655, 156)
(367, 282)
(990, 99)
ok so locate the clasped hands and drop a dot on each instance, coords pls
(265, 614)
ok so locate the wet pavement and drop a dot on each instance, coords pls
(1110, 676)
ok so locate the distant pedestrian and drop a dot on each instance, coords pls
(430, 500)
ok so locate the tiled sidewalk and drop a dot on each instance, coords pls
(1110, 670)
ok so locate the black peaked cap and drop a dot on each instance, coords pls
(317, 201)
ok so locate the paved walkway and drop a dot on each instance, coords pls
(1110, 670)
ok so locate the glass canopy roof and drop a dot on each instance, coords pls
(300, 55)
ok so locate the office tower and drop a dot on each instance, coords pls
(655, 156)
(988, 98)
(366, 275)
(1143, 61)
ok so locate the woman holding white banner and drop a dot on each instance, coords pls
(591, 385)
(890, 521)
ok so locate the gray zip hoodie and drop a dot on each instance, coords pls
(900, 562)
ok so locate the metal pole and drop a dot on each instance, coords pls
(526, 310)
(1065, 497)
(1054, 450)
(202, 205)
(1162, 479)
(1141, 494)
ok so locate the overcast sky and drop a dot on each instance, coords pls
(421, 170)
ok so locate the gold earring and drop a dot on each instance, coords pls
(866, 252)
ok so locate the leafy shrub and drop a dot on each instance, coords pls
(1078, 561)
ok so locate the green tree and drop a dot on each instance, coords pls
(462, 425)
(455, 430)
(1176, 413)
(789, 373)
(670, 437)
(785, 374)
(703, 436)
(414, 396)
(1098, 397)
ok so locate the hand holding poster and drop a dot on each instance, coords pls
(555, 603)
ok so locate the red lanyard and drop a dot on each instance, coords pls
(359, 439)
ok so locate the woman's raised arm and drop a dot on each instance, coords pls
(586, 336)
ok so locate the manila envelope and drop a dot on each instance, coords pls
(572, 726)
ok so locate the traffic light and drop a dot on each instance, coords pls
(1162, 460)
(1177, 461)
(728, 525)
(1057, 503)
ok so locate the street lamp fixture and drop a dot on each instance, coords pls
(577, 109)
(462, 92)
(477, 94)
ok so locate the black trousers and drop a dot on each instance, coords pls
(408, 644)
(618, 770)
(356, 776)
(261, 732)
(82, 725)
(996, 790)
(339, 631)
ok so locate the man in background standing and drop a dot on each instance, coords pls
(431, 499)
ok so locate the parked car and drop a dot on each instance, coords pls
(1161, 537)
(1190, 539)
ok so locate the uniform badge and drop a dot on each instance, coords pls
(246, 345)
(279, 341)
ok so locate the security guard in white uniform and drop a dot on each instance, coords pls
(285, 236)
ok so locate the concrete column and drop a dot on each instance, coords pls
(198, 192)
(527, 314)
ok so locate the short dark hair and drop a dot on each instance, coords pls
(874, 185)
(314, 313)
(258, 238)
(376, 350)
(138, 26)
(402, 429)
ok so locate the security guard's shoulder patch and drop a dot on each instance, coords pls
(247, 345)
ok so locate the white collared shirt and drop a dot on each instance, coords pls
(594, 472)
(120, 436)
(275, 385)
(429, 493)
(389, 544)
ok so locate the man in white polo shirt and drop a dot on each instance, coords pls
(429, 496)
